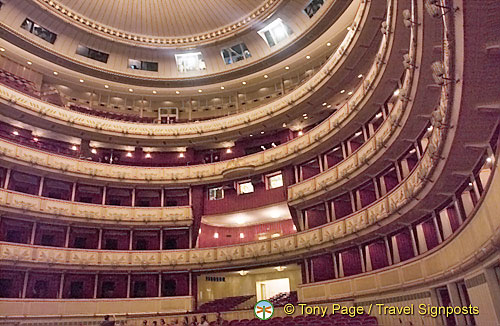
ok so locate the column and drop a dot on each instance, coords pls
(104, 195)
(363, 260)
(33, 233)
(436, 225)
(328, 212)
(159, 285)
(494, 290)
(335, 265)
(61, 286)
(129, 279)
(162, 197)
(99, 242)
(320, 163)
(377, 190)
(306, 268)
(131, 240)
(456, 302)
(96, 285)
(40, 187)
(133, 197)
(73, 192)
(190, 283)
(191, 237)
(413, 241)
(25, 284)
(460, 213)
(161, 239)
(388, 250)
(7, 179)
(66, 242)
(312, 270)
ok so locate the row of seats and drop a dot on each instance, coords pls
(111, 115)
(284, 298)
(18, 83)
(224, 304)
(311, 320)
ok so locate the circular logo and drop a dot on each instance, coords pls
(263, 310)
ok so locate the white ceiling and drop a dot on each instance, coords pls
(268, 214)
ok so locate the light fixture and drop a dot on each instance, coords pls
(294, 228)
(287, 68)
(242, 235)
(129, 154)
(308, 57)
(74, 148)
(244, 83)
(284, 125)
(470, 184)
(262, 132)
(177, 92)
(130, 90)
(301, 133)
(325, 104)
(243, 273)
(266, 76)
(350, 93)
(94, 151)
(55, 73)
(228, 151)
(489, 160)
(106, 86)
(360, 76)
(396, 92)
(216, 235)
(200, 91)
(304, 115)
(342, 91)
(328, 44)
(430, 128)
(263, 147)
(181, 155)
(29, 62)
(15, 133)
(379, 115)
(2, 50)
(280, 268)
(81, 80)
(273, 144)
(250, 135)
(35, 139)
(328, 106)
(154, 92)
(222, 87)
(148, 155)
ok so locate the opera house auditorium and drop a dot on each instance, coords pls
(249, 162)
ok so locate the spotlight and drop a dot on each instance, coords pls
(94, 151)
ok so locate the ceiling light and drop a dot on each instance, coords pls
(177, 92)
(35, 139)
(55, 73)
(181, 155)
(280, 268)
(74, 148)
(251, 135)
(94, 151)
(396, 92)
(350, 93)
(244, 83)
(379, 115)
(148, 155)
(360, 76)
(2, 50)
(129, 154)
(284, 125)
(304, 115)
(308, 57)
(266, 76)
(273, 144)
(106, 86)
(216, 235)
(287, 68)
(29, 62)
(489, 159)
(242, 235)
(154, 92)
(243, 273)
(262, 132)
(263, 147)
(342, 91)
(325, 104)
(15, 132)
(430, 128)
(200, 91)
(328, 44)
(328, 106)
(229, 151)
(81, 80)
(222, 87)
(294, 228)
(301, 133)
(130, 90)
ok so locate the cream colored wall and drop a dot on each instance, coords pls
(236, 285)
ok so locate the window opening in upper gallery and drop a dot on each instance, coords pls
(235, 53)
(275, 32)
(190, 62)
